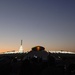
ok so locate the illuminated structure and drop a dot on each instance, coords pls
(64, 52)
(21, 48)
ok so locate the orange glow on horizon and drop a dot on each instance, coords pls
(28, 48)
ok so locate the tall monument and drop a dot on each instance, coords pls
(21, 48)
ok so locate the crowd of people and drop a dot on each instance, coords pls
(35, 66)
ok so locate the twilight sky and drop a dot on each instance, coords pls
(49, 23)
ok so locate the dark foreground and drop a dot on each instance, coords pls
(56, 64)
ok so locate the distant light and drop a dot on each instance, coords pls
(38, 48)
(62, 52)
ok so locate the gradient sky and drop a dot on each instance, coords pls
(49, 23)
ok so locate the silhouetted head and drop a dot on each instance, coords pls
(38, 48)
(51, 60)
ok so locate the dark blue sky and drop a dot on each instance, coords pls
(50, 23)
